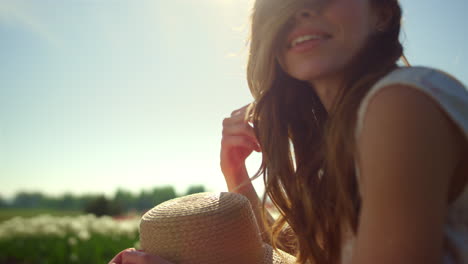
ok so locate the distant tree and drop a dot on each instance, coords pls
(3, 203)
(68, 202)
(125, 199)
(50, 202)
(148, 199)
(162, 194)
(86, 199)
(144, 201)
(28, 200)
(195, 189)
(102, 206)
(115, 208)
(98, 207)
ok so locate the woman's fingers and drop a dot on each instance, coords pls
(239, 118)
(239, 129)
(240, 111)
(240, 142)
(140, 257)
(118, 258)
(234, 151)
(237, 125)
(133, 256)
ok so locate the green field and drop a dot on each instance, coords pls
(51, 237)
(9, 213)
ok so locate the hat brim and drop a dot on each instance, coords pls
(276, 256)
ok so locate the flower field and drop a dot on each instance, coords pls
(49, 239)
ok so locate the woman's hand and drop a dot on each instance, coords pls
(237, 144)
(133, 256)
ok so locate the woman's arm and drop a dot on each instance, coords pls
(237, 144)
(409, 150)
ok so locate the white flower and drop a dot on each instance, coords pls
(84, 235)
(72, 241)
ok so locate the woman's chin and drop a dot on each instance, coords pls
(312, 74)
(309, 72)
(309, 76)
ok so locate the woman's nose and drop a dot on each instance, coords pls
(304, 14)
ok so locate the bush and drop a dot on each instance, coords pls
(101, 206)
(195, 189)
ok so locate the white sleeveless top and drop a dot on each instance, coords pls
(452, 97)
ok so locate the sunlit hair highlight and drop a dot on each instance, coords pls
(308, 154)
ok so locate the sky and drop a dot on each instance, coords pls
(97, 95)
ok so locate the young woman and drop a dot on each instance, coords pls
(366, 161)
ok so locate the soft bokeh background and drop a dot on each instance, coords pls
(101, 94)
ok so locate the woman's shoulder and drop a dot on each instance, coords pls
(444, 90)
(426, 78)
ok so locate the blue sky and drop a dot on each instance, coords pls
(101, 94)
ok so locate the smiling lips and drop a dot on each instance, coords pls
(304, 40)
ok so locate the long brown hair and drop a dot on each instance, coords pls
(309, 154)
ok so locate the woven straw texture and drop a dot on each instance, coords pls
(209, 228)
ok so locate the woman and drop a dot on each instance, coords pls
(365, 160)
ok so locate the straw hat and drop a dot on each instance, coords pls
(208, 228)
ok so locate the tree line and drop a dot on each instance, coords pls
(122, 202)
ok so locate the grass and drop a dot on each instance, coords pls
(8, 213)
(63, 239)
